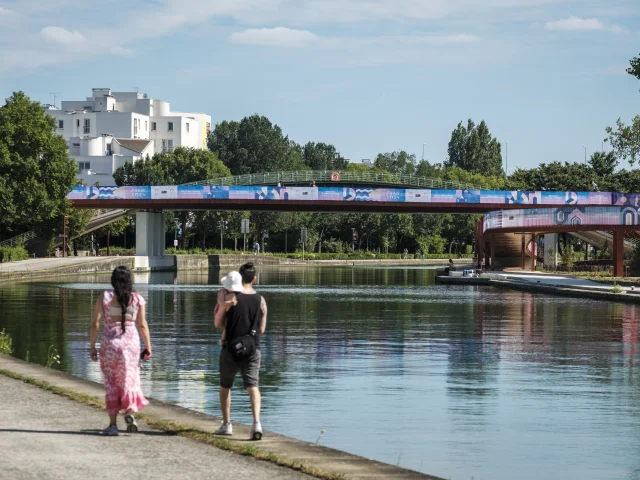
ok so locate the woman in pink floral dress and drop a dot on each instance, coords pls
(121, 308)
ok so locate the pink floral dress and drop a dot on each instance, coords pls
(120, 356)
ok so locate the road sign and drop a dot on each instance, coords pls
(244, 225)
(62, 236)
(303, 234)
(175, 244)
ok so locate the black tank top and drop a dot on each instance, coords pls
(241, 317)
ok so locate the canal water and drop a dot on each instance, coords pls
(460, 382)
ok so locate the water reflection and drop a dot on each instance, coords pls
(461, 381)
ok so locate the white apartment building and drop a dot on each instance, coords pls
(109, 129)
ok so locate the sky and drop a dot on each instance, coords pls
(369, 76)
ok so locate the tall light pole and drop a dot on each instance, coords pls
(507, 157)
(423, 151)
(585, 154)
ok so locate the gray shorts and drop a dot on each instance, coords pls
(249, 368)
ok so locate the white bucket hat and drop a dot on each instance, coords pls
(233, 282)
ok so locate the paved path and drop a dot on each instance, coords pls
(43, 435)
(48, 263)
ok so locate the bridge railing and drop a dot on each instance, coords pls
(336, 177)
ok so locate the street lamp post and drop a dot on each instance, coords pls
(585, 154)
(423, 151)
(223, 225)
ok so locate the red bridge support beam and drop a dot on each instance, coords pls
(618, 253)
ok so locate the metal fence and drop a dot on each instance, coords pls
(332, 177)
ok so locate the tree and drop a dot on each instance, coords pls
(142, 172)
(472, 148)
(322, 156)
(553, 176)
(396, 162)
(185, 165)
(36, 172)
(634, 67)
(625, 139)
(254, 145)
(603, 164)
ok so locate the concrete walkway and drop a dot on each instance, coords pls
(43, 435)
(48, 263)
(64, 435)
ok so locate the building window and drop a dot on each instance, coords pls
(76, 145)
(171, 126)
(84, 166)
(87, 125)
(167, 145)
(135, 126)
(146, 126)
(187, 127)
(153, 126)
(61, 124)
(78, 123)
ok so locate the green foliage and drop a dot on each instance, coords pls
(473, 149)
(6, 347)
(254, 145)
(52, 357)
(13, 254)
(322, 156)
(634, 67)
(625, 139)
(396, 162)
(603, 163)
(36, 172)
(616, 288)
(117, 252)
(568, 257)
(433, 244)
(182, 165)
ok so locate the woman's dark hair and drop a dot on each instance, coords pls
(247, 272)
(122, 288)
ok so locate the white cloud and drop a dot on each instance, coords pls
(5, 12)
(121, 51)
(275, 37)
(61, 36)
(582, 24)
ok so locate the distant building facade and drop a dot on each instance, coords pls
(109, 129)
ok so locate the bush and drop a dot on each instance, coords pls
(5, 343)
(117, 252)
(13, 254)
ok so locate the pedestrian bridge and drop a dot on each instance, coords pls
(505, 211)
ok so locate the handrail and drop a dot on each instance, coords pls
(23, 238)
(336, 177)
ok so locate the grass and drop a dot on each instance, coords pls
(616, 288)
(184, 431)
(6, 347)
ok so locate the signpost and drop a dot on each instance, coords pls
(244, 229)
(175, 243)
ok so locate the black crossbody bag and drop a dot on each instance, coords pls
(244, 346)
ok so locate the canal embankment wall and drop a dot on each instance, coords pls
(56, 267)
(603, 292)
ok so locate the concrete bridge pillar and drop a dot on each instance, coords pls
(618, 253)
(150, 231)
(551, 249)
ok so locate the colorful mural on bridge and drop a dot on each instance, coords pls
(399, 195)
(564, 216)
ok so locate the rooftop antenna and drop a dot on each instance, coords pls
(136, 89)
(55, 95)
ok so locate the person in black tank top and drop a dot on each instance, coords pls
(242, 316)
(247, 317)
